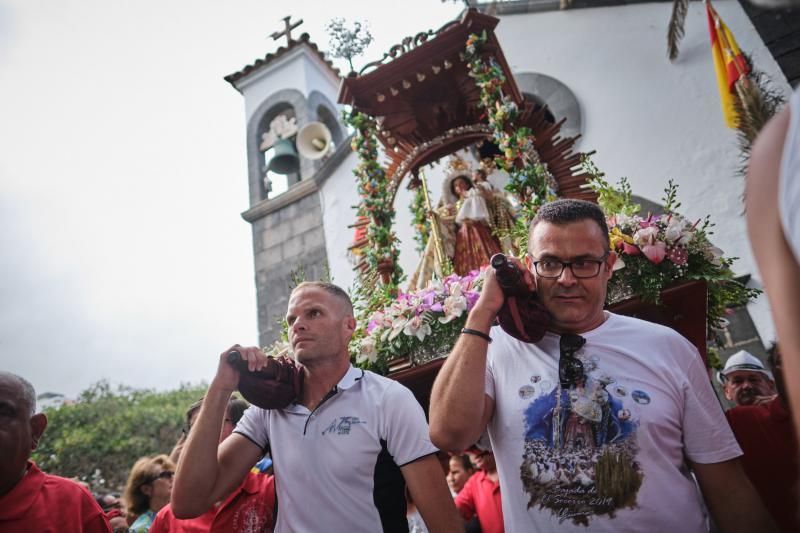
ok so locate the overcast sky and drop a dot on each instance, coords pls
(122, 176)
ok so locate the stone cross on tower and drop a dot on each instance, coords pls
(287, 30)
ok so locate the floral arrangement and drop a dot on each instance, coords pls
(376, 199)
(529, 179)
(657, 251)
(423, 322)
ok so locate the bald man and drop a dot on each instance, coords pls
(31, 500)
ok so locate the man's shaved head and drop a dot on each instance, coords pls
(20, 428)
(27, 394)
(330, 288)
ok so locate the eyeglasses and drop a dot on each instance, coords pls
(581, 268)
(166, 474)
(570, 368)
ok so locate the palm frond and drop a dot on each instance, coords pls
(758, 101)
(677, 21)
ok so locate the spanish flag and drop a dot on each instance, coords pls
(729, 64)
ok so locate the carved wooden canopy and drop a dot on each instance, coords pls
(427, 105)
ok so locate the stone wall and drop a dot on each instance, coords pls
(285, 241)
(288, 237)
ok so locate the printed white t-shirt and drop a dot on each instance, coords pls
(337, 468)
(607, 452)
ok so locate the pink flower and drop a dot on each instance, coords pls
(417, 328)
(630, 249)
(655, 252)
(646, 235)
(472, 299)
(678, 255)
(429, 301)
(368, 350)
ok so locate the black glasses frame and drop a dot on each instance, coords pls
(565, 264)
(570, 368)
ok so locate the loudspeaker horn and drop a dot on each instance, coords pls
(313, 140)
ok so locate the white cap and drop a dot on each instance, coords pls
(743, 360)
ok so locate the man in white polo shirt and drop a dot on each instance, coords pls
(343, 453)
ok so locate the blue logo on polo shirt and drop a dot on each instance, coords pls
(342, 425)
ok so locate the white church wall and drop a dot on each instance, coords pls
(649, 119)
(337, 194)
(321, 80)
(287, 73)
(299, 69)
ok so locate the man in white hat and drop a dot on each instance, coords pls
(745, 380)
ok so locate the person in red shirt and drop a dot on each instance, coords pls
(31, 500)
(480, 496)
(766, 435)
(249, 508)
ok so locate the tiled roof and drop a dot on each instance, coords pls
(283, 50)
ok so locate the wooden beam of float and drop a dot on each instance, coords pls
(422, 96)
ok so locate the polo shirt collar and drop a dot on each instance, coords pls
(350, 378)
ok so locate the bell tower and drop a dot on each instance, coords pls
(294, 141)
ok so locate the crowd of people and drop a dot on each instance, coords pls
(583, 428)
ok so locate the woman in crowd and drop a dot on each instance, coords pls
(460, 471)
(148, 490)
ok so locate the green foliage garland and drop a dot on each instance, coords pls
(376, 198)
(529, 179)
(419, 215)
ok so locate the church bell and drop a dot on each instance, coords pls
(285, 159)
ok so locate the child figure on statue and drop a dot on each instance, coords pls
(474, 241)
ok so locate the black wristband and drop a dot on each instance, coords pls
(477, 333)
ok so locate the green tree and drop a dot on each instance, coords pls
(99, 437)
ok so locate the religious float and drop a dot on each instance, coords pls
(449, 96)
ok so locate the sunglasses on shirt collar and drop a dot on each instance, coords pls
(570, 368)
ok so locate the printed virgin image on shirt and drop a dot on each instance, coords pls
(579, 458)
